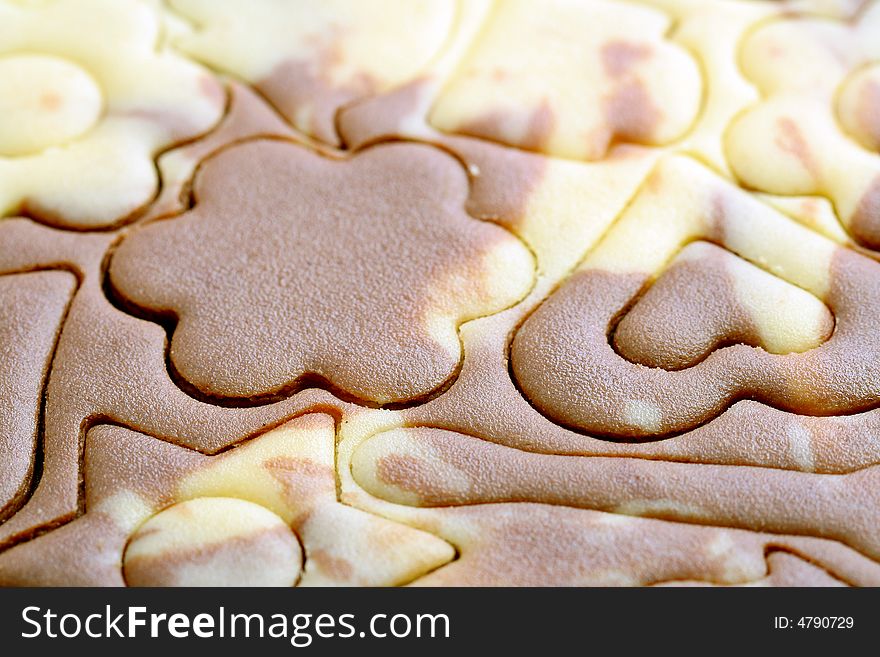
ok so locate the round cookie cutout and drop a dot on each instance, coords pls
(45, 101)
(213, 541)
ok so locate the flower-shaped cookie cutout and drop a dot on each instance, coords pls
(87, 100)
(311, 58)
(294, 266)
(262, 514)
(814, 76)
(572, 79)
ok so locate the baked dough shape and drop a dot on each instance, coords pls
(566, 364)
(312, 58)
(280, 482)
(292, 266)
(811, 132)
(571, 79)
(88, 98)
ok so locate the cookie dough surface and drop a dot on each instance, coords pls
(89, 96)
(439, 293)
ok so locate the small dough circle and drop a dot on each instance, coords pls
(213, 541)
(45, 101)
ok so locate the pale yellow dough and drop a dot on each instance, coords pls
(87, 99)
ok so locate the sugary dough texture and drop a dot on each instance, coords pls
(34, 305)
(376, 322)
(681, 202)
(439, 292)
(709, 298)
